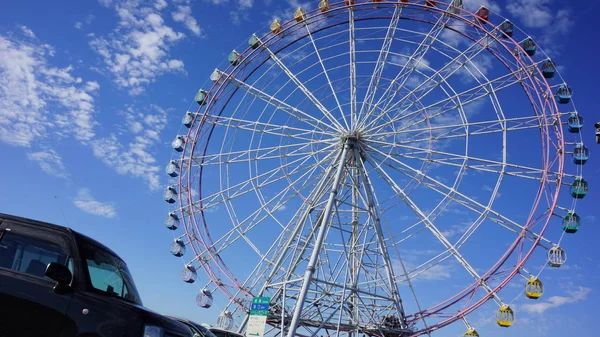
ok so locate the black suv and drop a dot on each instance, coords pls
(57, 282)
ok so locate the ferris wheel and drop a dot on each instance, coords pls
(377, 168)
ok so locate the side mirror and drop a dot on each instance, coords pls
(59, 273)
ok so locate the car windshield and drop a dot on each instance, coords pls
(109, 274)
(202, 331)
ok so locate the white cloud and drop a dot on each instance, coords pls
(422, 65)
(50, 162)
(436, 272)
(27, 32)
(532, 13)
(491, 189)
(578, 295)
(246, 3)
(137, 51)
(38, 100)
(88, 19)
(160, 4)
(473, 5)
(184, 15)
(135, 158)
(87, 203)
(456, 229)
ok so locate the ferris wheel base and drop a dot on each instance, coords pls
(367, 330)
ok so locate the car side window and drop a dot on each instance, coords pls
(29, 255)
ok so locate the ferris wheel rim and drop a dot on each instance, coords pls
(206, 227)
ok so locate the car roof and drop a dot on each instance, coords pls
(55, 227)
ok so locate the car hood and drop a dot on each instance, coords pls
(169, 325)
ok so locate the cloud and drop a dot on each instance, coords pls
(86, 202)
(135, 157)
(490, 189)
(439, 271)
(137, 51)
(50, 162)
(532, 13)
(184, 15)
(27, 32)
(88, 19)
(578, 295)
(473, 5)
(457, 229)
(38, 100)
(245, 4)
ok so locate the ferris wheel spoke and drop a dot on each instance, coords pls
(450, 131)
(333, 91)
(244, 187)
(352, 42)
(264, 127)
(258, 126)
(258, 154)
(459, 197)
(335, 123)
(471, 162)
(294, 112)
(414, 61)
(266, 209)
(381, 62)
(435, 80)
(426, 221)
(482, 90)
(293, 241)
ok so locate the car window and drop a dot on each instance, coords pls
(109, 274)
(29, 255)
(219, 333)
(202, 331)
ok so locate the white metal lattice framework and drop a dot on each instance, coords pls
(330, 149)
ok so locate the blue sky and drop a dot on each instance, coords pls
(92, 94)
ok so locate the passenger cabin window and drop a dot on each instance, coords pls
(110, 275)
(29, 255)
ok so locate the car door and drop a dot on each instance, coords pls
(29, 307)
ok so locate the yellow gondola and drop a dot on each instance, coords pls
(471, 333)
(276, 27)
(534, 288)
(505, 316)
(299, 15)
(324, 6)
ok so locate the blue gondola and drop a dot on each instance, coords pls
(234, 58)
(507, 29)
(529, 46)
(200, 97)
(575, 123)
(172, 169)
(170, 195)
(579, 188)
(571, 223)
(548, 69)
(581, 154)
(172, 221)
(177, 248)
(564, 94)
(187, 120)
(178, 143)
